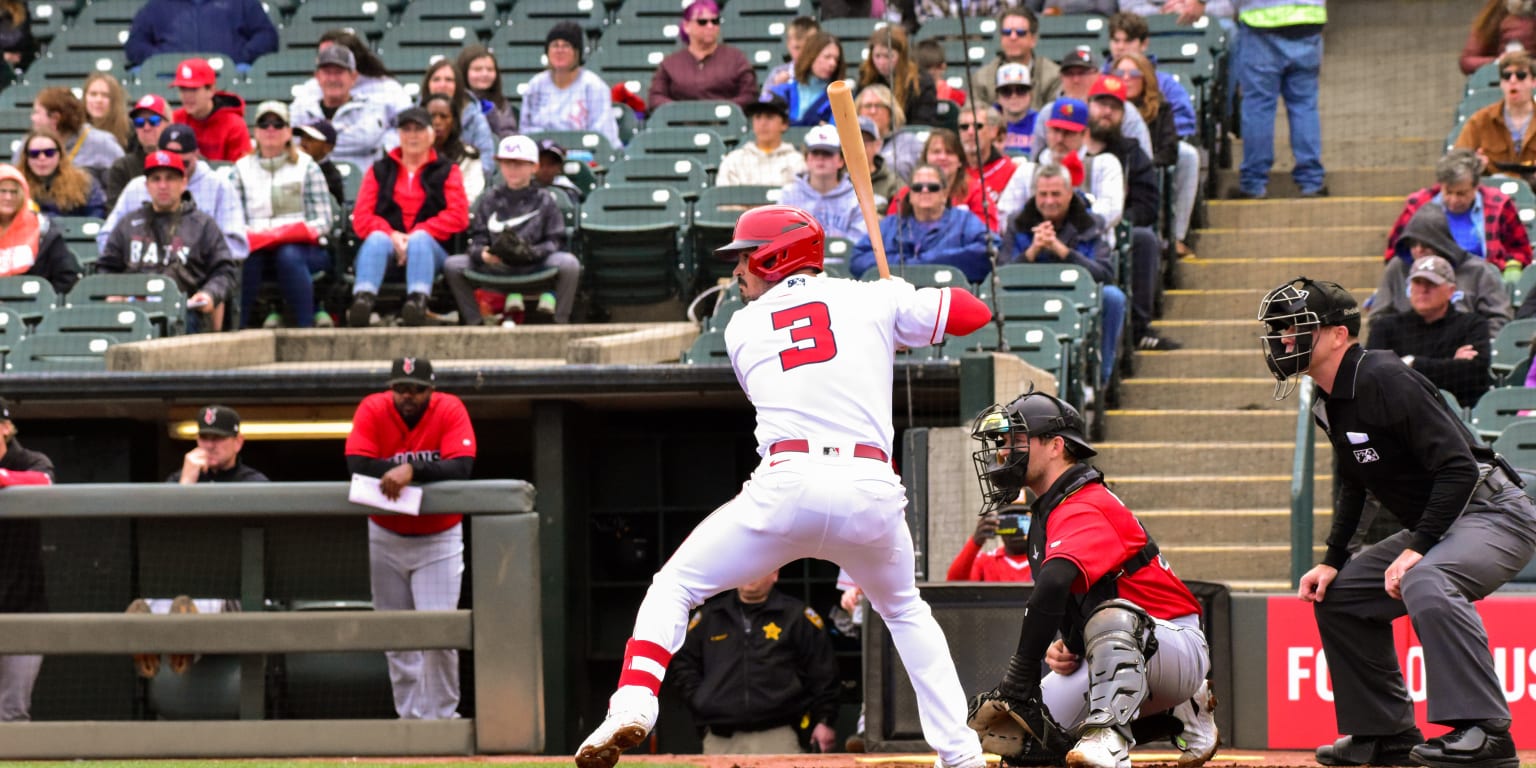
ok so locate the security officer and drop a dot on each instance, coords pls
(1469, 529)
(754, 663)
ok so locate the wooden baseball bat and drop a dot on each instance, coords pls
(847, 120)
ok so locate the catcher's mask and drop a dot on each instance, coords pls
(1291, 313)
(1004, 432)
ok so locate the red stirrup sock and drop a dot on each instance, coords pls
(645, 664)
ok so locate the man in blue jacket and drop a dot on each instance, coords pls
(239, 29)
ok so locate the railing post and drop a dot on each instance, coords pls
(1301, 485)
(253, 580)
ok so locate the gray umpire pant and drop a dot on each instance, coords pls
(421, 573)
(17, 674)
(1484, 548)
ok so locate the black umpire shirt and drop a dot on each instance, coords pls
(1433, 347)
(1394, 436)
(239, 473)
(21, 543)
(755, 667)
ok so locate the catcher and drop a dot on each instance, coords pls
(1130, 642)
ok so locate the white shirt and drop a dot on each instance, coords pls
(824, 374)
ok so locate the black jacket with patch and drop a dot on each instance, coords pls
(185, 245)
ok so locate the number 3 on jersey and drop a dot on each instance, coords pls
(807, 322)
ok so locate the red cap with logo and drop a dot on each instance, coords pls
(162, 159)
(194, 73)
(1108, 85)
(152, 103)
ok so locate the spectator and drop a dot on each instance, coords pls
(929, 55)
(568, 97)
(106, 107)
(1428, 233)
(374, 80)
(21, 563)
(944, 151)
(150, 116)
(59, 188)
(755, 666)
(288, 213)
(823, 189)
(216, 459)
(318, 140)
(704, 69)
(1448, 345)
(213, 192)
(410, 204)
(363, 118)
(515, 229)
(1066, 127)
(551, 171)
(1281, 52)
(412, 433)
(1016, 38)
(1141, 90)
(445, 126)
(987, 168)
(482, 78)
(1078, 73)
(1143, 203)
(57, 109)
(239, 29)
(820, 62)
(170, 236)
(1009, 562)
(29, 243)
(889, 65)
(1500, 26)
(1057, 227)
(799, 31)
(1484, 221)
(927, 229)
(217, 117)
(902, 150)
(927, 10)
(1501, 132)
(16, 43)
(443, 78)
(766, 160)
(885, 183)
(1015, 101)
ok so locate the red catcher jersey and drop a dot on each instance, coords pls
(1094, 529)
(444, 432)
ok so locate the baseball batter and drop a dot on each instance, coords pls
(814, 356)
(1131, 641)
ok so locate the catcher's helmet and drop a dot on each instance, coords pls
(1002, 461)
(1291, 312)
(783, 240)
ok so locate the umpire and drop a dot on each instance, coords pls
(1470, 528)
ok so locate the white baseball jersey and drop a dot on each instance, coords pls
(814, 354)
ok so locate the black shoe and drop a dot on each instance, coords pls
(414, 312)
(1239, 194)
(1484, 745)
(1372, 750)
(359, 314)
(1158, 343)
(1319, 192)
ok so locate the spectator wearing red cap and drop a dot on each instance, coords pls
(172, 237)
(239, 29)
(213, 191)
(1066, 132)
(149, 116)
(217, 117)
(1079, 69)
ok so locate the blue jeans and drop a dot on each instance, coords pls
(423, 257)
(1273, 66)
(1112, 316)
(295, 266)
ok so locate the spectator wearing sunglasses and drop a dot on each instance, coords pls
(704, 69)
(1016, 28)
(926, 229)
(59, 110)
(213, 192)
(1015, 100)
(59, 188)
(149, 116)
(824, 190)
(1501, 133)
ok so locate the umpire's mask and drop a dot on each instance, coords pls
(1290, 314)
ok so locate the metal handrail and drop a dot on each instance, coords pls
(1301, 485)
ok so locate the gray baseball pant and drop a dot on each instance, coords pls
(422, 573)
(17, 674)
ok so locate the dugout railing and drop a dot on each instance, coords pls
(258, 539)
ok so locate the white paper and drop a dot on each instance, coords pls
(368, 492)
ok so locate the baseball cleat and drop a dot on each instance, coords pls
(979, 761)
(621, 730)
(1199, 740)
(1100, 748)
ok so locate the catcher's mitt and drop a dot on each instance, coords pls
(1018, 730)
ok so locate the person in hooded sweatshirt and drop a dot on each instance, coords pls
(29, 243)
(1479, 287)
(216, 117)
(528, 210)
(928, 230)
(824, 190)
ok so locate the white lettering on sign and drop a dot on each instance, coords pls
(1303, 663)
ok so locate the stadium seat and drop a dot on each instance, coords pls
(157, 296)
(121, 322)
(923, 275)
(580, 173)
(296, 66)
(761, 21)
(31, 297)
(156, 72)
(1511, 347)
(335, 685)
(1518, 444)
(1056, 48)
(1036, 345)
(630, 243)
(1500, 407)
(591, 142)
(725, 118)
(957, 51)
(1484, 78)
(1089, 28)
(708, 348)
(1523, 287)
(351, 179)
(12, 330)
(631, 65)
(69, 69)
(519, 46)
(59, 352)
(427, 41)
(365, 18)
(835, 263)
(79, 234)
(588, 13)
(100, 14)
(854, 33)
(700, 144)
(46, 21)
(714, 223)
(627, 121)
(208, 690)
(982, 30)
(480, 14)
(682, 175)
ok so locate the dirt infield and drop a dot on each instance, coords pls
(1237, 758)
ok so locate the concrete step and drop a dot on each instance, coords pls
(1351, 181)
(1304, 240)
(1248, 393)
(1401, 145)
(1205, 527)
(1326, 212)
(1129, 425)
(1176, 456)
(1264, 274)
(1269, 564)
(1224, 303)
(1235, 335)
(1194, 363)
(1211, 491)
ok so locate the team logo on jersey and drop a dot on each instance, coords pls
(796, 282)
(1366, 455)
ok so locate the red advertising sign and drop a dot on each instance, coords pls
(1301, 699)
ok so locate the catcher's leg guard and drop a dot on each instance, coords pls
(1119, 639)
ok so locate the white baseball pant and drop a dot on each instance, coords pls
(1174, 673)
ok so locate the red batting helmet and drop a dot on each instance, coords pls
(783, 240)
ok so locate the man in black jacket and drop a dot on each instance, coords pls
(1449, 346)
(21, 568)
(757, 665)
(216, 459)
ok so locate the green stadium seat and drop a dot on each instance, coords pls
(59, 353)
(956, 51)
(627, 121)
(730, 302)
(1056, 48)
(1474, 101)
(580, 173)
(853, 33)
(1518, 444)
(714, 225)
(589, 13)
(982, 30)
(19, 96)
(157, 296)
(603, 152)
(365, 18)
(923, 275)
(631, 65)
(708, 348)
(69, 69)
(835, 263)
(156, 72)
(291, 65)
(31, 297)
(761, 21)
(725, 118)
(98, 14)
(1524, 285)
(428, 41)
(12, 330)
(121, 322)
(1511, 347)
(1035, 344)
(700, 144)
(480, 14)
(46, 20)
(1484, 78)
(682, 175)
(208, 690)
(520, 45)
(644, 30)
(1500, 407)
(1078, 26)
(630, 244)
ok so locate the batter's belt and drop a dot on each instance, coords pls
(860, 450)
